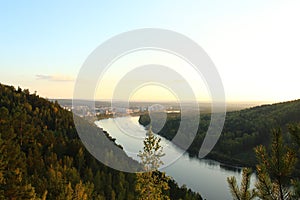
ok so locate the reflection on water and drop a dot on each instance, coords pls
(231, 168)
(207, 177)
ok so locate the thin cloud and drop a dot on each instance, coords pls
(59, 78)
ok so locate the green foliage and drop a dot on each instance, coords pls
(151, 156)
(243, 193)
(274, 173)
(294, 130)
(152, 184)
(274, 169)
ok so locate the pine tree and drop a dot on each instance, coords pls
(274, 169)
(243, 193)
(67, 194)
(80, 192)
(294, 130)
(152, 184)
(2, 168)
(12, 183)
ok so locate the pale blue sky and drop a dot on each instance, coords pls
(53, 39)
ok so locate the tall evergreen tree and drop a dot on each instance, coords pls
(152, 184)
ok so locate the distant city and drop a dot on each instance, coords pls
(104, 108)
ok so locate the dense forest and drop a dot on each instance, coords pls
(42, 157)
(243, 130)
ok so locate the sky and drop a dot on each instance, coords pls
(254, 44)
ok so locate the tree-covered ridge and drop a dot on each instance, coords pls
(42, 157)
(243, 130)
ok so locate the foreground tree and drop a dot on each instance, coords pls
(274, 169)
(152, 184)
(244, 192)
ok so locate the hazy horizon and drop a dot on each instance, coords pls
(166, 101)
(243, 101)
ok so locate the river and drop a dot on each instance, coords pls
(207, 177)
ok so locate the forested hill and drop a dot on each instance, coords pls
(42, 157)
(243, 130)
